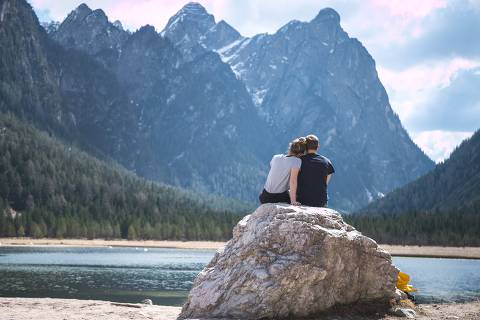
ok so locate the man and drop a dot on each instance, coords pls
(315, 173)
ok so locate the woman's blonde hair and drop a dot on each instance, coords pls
(298, 146)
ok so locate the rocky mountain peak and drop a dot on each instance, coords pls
(91, 31)
(225, 28)
(192, 13)
(83, 16)
(187, 26)
(145, 34)
(328, 15)
(83, 7)
(146, 29)
(118, 24)
(222, 24)
(194, 8)
(80, 13)
(220, 35)
(51, 26)
(97, 15)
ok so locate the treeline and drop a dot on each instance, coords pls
(460, 227)
(49, 189)
(440, 208)
(452, 184)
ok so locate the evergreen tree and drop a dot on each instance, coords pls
(36, 231)
(21, 232)
(60, 191)
(132, 233)
(61, 228)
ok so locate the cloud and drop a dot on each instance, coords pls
(455, 107)
(415, 91)
(410, 10)
(438, 102)
(439, 144)
(450, 31)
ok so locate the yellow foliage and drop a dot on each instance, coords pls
(402, 282)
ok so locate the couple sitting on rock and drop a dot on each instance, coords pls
(299, 178)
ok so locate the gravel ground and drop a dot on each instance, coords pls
(62, 309)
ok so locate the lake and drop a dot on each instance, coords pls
(166, 275)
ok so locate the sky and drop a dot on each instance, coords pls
(427, 52)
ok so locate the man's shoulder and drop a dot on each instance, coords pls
(324, 158)
(315, 157)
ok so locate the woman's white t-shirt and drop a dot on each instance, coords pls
(279, 176)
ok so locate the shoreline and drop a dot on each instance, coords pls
(47, 242)
(394, 250)
(60, 309)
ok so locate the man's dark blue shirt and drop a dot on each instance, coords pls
(312, 180)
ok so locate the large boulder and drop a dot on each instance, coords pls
(288, 261)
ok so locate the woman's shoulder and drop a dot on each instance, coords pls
(283, 157)
(278, 156)
(292, 160)
(296, 161)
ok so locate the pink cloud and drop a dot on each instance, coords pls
(381, 23)
(409, 9)
(410, 89)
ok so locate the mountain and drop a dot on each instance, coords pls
(91, 30)
(194, 30)
(51, 189)
(186, 27)
(439, 208)
(220, 35)
(311, 77)
(60, 90)
(154, 112)
(200, 106)
(186, 106)
(453, 184)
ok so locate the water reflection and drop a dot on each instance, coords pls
(116, 274)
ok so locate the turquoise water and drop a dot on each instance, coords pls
(442, 280)
(166, 275)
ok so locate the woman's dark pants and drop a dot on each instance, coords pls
(267, 197)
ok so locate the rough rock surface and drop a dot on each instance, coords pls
(287, 261)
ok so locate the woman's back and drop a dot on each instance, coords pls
(279, 174)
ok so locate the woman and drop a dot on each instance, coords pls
(283, 175)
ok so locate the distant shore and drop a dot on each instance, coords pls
(433, 251)
(59, 309)
(395, 250)
(206, 245)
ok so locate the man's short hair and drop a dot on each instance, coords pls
(312, 142)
